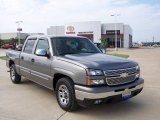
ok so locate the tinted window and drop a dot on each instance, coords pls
(29, 46)
(42, 44)
(73, 45)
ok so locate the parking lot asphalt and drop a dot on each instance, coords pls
(29, 101)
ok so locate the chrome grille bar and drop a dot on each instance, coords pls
(120, 80)
(114, 77)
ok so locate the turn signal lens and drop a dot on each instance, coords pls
(88, 82)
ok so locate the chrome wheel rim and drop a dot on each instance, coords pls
(63, 95)
(12, 74)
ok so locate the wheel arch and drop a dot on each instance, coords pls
(11, 62)
(58, 76)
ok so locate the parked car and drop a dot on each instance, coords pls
(7, 46)
(155, 45)
(76, 70)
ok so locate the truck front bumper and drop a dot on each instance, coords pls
(83, 93)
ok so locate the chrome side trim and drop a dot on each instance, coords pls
(80, 95)
(24, 69)
(17, 66)
(39, 84)
(39, 76)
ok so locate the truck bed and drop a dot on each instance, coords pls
(13, 55)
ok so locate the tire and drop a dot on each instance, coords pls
(65, 94)
(14, 76)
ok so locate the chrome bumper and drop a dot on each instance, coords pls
(81, 95)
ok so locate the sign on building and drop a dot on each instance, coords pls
(112, 32)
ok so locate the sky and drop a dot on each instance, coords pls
(37, 15)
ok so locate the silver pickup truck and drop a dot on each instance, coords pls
(76, 70)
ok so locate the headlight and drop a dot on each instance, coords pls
(138, 68)
(138, 72)
(95, 82)
(137, 76)
(90, 77)
(92, 72)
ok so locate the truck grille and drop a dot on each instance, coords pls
(120, 71)
(120, 80)
(121, 76)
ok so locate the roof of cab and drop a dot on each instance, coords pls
(53, 36)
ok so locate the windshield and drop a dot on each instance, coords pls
(73, 45)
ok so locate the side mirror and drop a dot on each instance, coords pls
(19, 47)
(42, 52)
(103, 51)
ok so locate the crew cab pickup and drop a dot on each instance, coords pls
(75, 69)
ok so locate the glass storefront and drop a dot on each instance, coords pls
(110, 41)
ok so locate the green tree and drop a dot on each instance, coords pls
(1, 42)
(14, 41)
(103, 44)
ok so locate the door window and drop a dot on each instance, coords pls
(42, 44)
(29, 46)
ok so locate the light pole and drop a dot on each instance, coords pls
(18, 30)
(115, 28)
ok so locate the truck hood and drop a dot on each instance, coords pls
(100, 61)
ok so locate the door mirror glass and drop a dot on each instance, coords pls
(41, 52)
(103, 51)
(19, 47)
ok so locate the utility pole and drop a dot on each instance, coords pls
(18, 31)
(115, 28)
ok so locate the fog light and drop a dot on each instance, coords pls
(97, 101)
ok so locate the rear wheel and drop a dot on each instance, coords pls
(66, 95)
(15, 77)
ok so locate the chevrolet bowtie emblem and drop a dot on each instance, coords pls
(124, 75)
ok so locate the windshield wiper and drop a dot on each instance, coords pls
(77, 53)
(90, 52)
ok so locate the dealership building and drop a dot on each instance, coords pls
(96, 31)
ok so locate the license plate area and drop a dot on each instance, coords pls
(126, 94)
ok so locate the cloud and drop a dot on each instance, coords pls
(37, 15)
(144, 20)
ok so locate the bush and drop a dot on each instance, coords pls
(103, 44)
(7, 41)
(119, 55)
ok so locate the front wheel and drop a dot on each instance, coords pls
(65, 94)
(15, 77)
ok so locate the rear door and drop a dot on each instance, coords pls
(25, 57)
(41, 66)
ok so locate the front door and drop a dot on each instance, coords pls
(41, 66)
